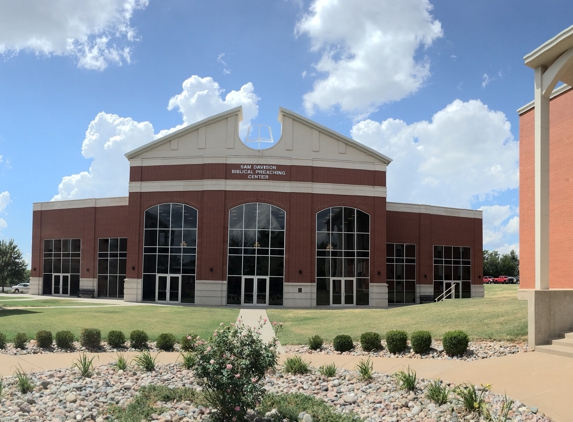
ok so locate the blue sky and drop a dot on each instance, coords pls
(435, 85)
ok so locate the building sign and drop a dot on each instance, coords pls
(259, 171)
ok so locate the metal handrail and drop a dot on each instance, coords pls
(440, 298)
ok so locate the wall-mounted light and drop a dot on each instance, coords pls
(211, 269)
(300, 271)
(88, 270)
(479, 276)
(34, 268)
(425, 276)
(132, 268)
(378, 272)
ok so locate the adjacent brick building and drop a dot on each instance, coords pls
(209, 220)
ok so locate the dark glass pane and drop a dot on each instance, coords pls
(390, 250)
(276, 291)
(362, 291)
(336, 285)
(162, 264)
(189, 218)
(236, 218)
(456, 253)
(457, 272)
(58, 245)
(399, 250)
(362, 222)
(176, 216)
(349, 267)
(411, 251)
(277, 266)
(190, 238)
(248, 265)
(102, 266)
(362, 242)
(466, 273)
(123, 244)
(410, 296)
(448, 272)
(466, 253)
(177, 238)
(277, 219)
(57, 265)
(75, 267)
(74, 284)
(48, 266)
(174, 264)
(250, 238)
(264, 216)
(103, 245)
(277, 239)
(262, 265)
(323, 267)
(336, 219)
(336, 268)
(336, 241)
(120, 286)
(349, 221)
(322, 291)
(250, 216)
(114, 244)
(151, 220)
(235, 238)
(323, 221)
(188, 264)
(76, 245)
(390, 274)
(102, 286)
(122, 267)
(174, 289)
(112, 286)
(277, 252)
(349, 292)
(323, 240)
(410, 272)
(248, 293)
(113, 266)
(235, 265)
(362, 267)
(66, 245)
(48, 245)
(447, 252)
(438, 272)
(150, 263)
(399, 271)
(164, 216)
(162, 288)
(163, 238)
(234, 291)
(148, 287)
(263, 238)
(439, 252)
(349, 241)
(187, 289)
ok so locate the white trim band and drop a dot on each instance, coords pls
(81, 203)
(430, 209)
(557, 91)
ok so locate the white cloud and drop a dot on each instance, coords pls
(4, 201)
(465, 154)
(486, 80)
(94, 32)
(369, 51)
(109, 137)
(500, 227)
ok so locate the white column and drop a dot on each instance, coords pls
(541, 183)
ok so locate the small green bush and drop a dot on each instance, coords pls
(138, 339)
(370, 341)
(187, 343)
(90, 338)
(44, 339)
(295, 365)
(166, 341)
(396, 341)
(2, 340)
(20, 340)
(116, 339)
(315, 342)
(421, 341)
(343, 343)
(65, 339)
(455, 343)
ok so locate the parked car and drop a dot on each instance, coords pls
(502, 279)
(21, 288)
(511, 280)
(487, 279)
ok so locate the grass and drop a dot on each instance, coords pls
(499, 316)
(155, 320)
(45, 303)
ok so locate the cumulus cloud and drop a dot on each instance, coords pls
(4, 201)
(94, 32)
(369, 51)
(500, 228)
(109, 137)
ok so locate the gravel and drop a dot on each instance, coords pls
(32, 349)
(63, 395)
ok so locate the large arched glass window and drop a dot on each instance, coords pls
(256, 255)
(342, 257)
(170, 253)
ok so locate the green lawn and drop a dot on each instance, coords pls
(46, 303)
(500, 316)
(154, 320)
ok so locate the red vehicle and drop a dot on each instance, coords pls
(502, 279)
(487, 279)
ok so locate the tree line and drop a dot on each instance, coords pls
(495, 264)
(12, 265)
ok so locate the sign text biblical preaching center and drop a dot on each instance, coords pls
(258, 171)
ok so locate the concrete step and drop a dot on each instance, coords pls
(563, 342)
(555, 350)
(566, 335)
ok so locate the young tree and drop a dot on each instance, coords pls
(495, 264)
(12, 264)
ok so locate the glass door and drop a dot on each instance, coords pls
(342, 291)
(255, 291)
(456, 292)
(168, 288)
(61, 284)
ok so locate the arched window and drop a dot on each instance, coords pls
(256, 254)
(170, 253)
(342, 256)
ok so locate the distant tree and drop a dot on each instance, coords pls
(12, 264)
(495, 264)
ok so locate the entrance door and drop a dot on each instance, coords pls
(456, 292)
(342, 291)
(168, 288)
(61, 284)
(255, 291)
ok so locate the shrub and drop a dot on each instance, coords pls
(138, 339)
(188, 360)
(396, 341)
(121, 362)
(84, 365)
(116, 339)
(343, 343)
(231, 365)
(2, 340)
(20, 340)
(24, 383)
(472, 400)
(145, 361)
(166, 341)
(365, 368)
(90, 338)
(421, 341)
(328, 370)
(295, 365)
(370, 341)
(315, 342)
(188, 342)
(406, 380)
(65, 339)
(438, 392)
(44, 339)
(455, 343)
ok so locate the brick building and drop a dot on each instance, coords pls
(209, 220)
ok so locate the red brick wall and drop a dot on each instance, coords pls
(560, 194)
(427, 230)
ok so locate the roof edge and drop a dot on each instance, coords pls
(433, 209)
(189, 128)
(532, 59)
(557, 91)
(349, 141)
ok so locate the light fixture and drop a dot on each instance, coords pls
(133, 268)
(257, 245)
(211, 269)
(329, 247)
(300, 271)
(183, 243)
